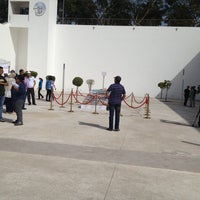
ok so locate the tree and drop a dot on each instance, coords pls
(164, 85)
(77, 81)
(3, 11)
(118, 12)
(167, 86)
(90, 82)
(183, 13)
(81, 11)
(149, 12)
(161, 85)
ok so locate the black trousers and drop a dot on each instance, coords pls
(31, 93)
(39, 93)
(18, 105)
(48, 95)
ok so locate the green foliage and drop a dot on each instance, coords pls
(50, 77)
(124, 12)
(132, 12)
(164, 85)
(167, 84)
(161, 85)
(77, 81)
(34, 74)
(79, 11)
(3, 11)
(148, 13)
(119, 11)
(183, 13)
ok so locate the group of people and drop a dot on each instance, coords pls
(16, 88)
(15, 95)
(190, 94)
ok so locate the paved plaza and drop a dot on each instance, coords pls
(61, 155)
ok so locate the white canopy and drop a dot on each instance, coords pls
(5, 64)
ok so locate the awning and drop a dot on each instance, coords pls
(5, 64)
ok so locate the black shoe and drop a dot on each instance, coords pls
(117, 129)
(18, 123)
(14, 122)
(29, 103)
(2, 120)
(109, 129)
(24, 108)
(34, 104)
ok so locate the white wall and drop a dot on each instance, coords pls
(41, 38)
(7, 51)
(19, 38)
(143, 56)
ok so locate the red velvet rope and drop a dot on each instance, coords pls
(139, 102)
(82, 94)
(144, 101)
(58, 96)
(128, 96)
(84, 103)
(135, 107)
(56, 99)
(102, 102)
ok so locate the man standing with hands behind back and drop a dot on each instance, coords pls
(115, 93)
(3, 83)
(30, 83)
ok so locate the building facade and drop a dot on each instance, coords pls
(143, 56)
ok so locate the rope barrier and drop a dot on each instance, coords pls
(138, 102)
(82, 94)
(58, 96)
(134, 107)
(99, 99)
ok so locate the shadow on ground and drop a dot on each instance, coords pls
(190, 114)
(92, 125)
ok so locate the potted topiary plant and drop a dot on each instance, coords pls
(77, 81)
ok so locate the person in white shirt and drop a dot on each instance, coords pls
(30, 84)
(8, 100)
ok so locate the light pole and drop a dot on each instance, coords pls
(63, 85)
(104, 75)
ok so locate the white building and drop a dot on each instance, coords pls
(143, 56)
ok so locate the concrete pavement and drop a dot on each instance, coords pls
(61, 155)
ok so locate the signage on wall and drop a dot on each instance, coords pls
(39, 8)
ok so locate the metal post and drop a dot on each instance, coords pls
(132, 99)
(147, 114)
(63, 86)
(71, 101)
(103, 74)
(95, 106)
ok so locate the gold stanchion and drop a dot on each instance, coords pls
(71, 103)
(95, 106)
(147, 114)
(62, 106)
(131, 99)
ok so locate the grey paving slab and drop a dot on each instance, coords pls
(58, 154)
